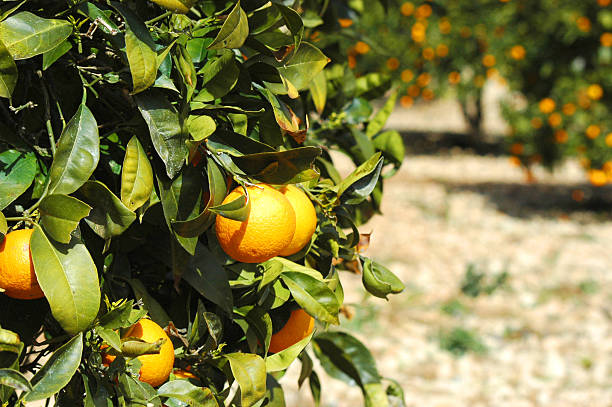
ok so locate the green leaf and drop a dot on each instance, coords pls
(26, 35)
(187, 392)
(379, 280)
(313, 295)
(375, 395)
(164, 128)
(110, 337)
(17, 171)
(282, 360)
(293, 22)
(207, 276)
(181, 200)
(361, 182)
(318, 91)
(14, 379)
(69, 278)
(56, 53)
(201, 126)
(143, 61)
(239, 209)
(108, 217)
(275, 397)
(118, 317)
(58, 370)
(136, 176)
(303, 65)
(217, 191)
(139, 393)
(77, 154)
(220, 76)
(3, 227)
(60, 215)
(234, 31)
(281, 167)
(249, 370)
(380, 119)
(235, 144)
(8, 72)
(392, 146)
(345, 358)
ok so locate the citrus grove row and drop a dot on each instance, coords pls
(173, 230)
(553, 56)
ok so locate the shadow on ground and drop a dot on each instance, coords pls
(581, 202)
(435, 143)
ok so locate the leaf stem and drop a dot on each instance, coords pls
(19, 218)
(159, 17)
(47, 112)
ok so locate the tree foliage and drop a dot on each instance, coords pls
(124, 126)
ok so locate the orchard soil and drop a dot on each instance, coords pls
(544, 337)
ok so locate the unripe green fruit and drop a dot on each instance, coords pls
(176, 6)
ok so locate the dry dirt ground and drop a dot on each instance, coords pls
(543, 338)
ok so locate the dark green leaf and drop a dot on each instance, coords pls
(68, 277)
(281, 167)
(346, 358)
(234, 31)
(182, 200)
(60, 215)
(187, 392)
(26, 35)
(274, 393)
(164, 128)
(361, 182)
(56, 53)
(8, 72)
(58, 370)
(313, 295)
(220, 76)
(110, 337)
(137, 392)
(136, 176)
(118, 317)
(17, 171)
(238, 209)
(379, 280)
(293, 22)
(3, 226)
(235, 144)
(77, 154)
(108, 217)
(249, 370)
(208, 277)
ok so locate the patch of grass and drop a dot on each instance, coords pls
(460, 341)
(588, 286)
(566, 291)
(477, 282)
(454, 308)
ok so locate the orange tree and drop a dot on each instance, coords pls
(559, 61)
(125, 125)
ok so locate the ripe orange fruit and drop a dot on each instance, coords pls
(597, 178)
(547, 105)
(595, 91)
(298, 326)
(155, 368)
(176, 6)
(517, 52)
(17, 275)
(267, 231)
(305, 219)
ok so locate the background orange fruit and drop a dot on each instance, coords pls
(305, 219)
(298, 326)
(155, 368)
(265, 233)
(17, 275)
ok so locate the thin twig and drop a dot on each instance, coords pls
(47, 113)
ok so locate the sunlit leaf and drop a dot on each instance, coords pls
(26, 35)
(249, 370)
(234, 31)
(136, 176)
(77, 154)
(8, 72)
(17, 171)
(69, 278)
(60, 215)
